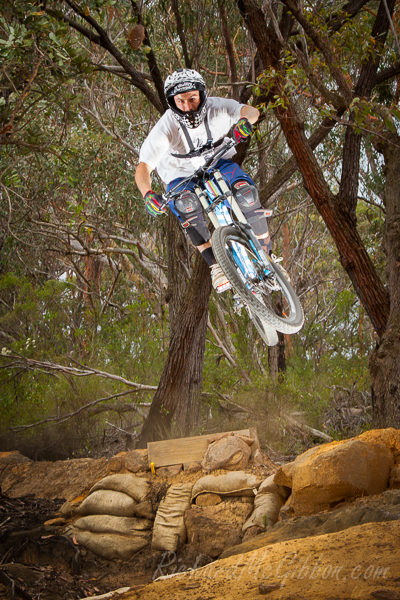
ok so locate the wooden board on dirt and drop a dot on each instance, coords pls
(190, 449)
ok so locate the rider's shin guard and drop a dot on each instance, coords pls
(249, 202)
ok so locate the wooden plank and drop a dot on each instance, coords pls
(183, 450)
(256, 445)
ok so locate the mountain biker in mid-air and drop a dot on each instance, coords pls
(173, 149)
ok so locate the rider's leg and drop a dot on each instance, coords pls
(246, 195)
(190, 213)
(248, 200)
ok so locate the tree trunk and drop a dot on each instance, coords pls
(385, 360)
(277, 359)
(179, 389)
(353, 254)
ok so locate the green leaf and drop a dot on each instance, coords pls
(53, 37)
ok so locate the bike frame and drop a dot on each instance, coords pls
(219, 203)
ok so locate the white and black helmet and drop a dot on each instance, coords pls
(179, 82)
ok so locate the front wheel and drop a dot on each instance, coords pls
(263, 287)
(267, 333)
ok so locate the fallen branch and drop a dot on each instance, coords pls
(228, 406)
(225, 351)
(132, 435)
(302, 426)
(66, 417)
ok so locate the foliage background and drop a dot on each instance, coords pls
(83, 269)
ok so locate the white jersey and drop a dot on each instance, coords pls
(167, 138)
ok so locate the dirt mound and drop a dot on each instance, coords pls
(359, 563)
(329, 540)
(383, 507)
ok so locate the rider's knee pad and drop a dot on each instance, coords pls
(246, 195)
(191, 216)
(187, 204)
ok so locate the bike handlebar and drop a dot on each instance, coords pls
(230, 143)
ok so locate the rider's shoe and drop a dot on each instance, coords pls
(219, 281)
(276, 259)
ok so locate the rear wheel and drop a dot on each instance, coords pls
(262, 287)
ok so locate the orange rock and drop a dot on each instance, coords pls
(137, 460)
(389, 437)
(169, 471)
(395, 477)
(284, 475)
(13, 457)
(336, 471)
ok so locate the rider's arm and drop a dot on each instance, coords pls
(250, 113)
(153, 202)
(143, 177)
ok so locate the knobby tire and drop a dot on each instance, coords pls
(288, 323)
(267, 333)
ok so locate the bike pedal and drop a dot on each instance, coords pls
(276, 259)
(237, 304)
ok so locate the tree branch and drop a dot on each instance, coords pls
(102, 39)
(388, 73)
(323, 45)
(290, 167)
(151, 59)
(349, 10)
(229, 46)
(348, 191)
(181, 33)
(112, 132)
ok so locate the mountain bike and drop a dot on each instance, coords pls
(259, 283)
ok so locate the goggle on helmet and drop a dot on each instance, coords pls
(179, 82)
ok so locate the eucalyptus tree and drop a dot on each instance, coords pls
(345, 56)
(111, 48)
(111, 59)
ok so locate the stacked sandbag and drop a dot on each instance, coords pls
(235, 483)
(268, 501)
(169, 530)
(115, 518)
(231, 452)
(222, 504)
